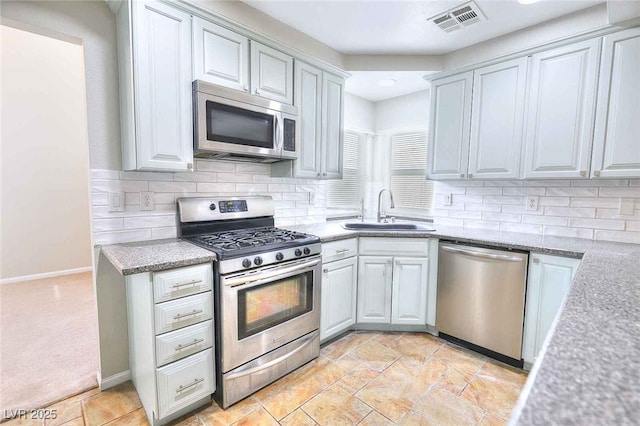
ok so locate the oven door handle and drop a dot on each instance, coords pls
(303, 343)
(268, 275)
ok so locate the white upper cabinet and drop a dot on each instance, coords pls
(332, 125)
(220, 56)
(497, 120)
(162, 88)
(616, 150)
(308, 99)
(271, 73)
(561, 109)
(449, 126)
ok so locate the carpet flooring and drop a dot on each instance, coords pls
(48, 340)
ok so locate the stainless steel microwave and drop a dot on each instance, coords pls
(229, 124)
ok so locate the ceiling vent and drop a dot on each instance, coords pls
(458, 17)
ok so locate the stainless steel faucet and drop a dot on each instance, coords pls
(362, 209)
(381, 216)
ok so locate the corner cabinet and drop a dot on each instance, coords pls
(549, 280)
(154, 55)
(561, 111)
(339, 290)
(319, 96)
(393, 281)
(616, 146)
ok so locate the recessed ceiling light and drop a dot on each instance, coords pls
(528, 1)
(387, 82)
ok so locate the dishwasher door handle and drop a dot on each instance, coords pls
(482, 254)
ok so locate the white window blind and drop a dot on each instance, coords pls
(347, 192)
(408, 169)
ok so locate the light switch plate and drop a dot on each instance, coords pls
(448, 199)
(531, 203)
(116, 201)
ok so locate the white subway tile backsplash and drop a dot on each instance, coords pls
(253, 188)
(105, 174)
(102, 185)
(619, 236)
(215, 166)
(570, 211)
(281, 187)
(597, 224)
(145, 176)
(572, 192)
(572, 208)
(463, 214)
(259, 169)
(194, 177)
(100, 199)
(114, 224)
(149, 222)
(172, 186)
(132, 198)
(168, 232)
(235, 177)
(215, 188)
(114, 237)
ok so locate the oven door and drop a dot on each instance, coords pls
(267, 308)
(227, 126)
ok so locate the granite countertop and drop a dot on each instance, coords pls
(155, 255)
(588, 371)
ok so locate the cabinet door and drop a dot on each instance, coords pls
(560, 111)
(308, 99)
(449, 127)
(162, 81)
(271, 73)
(409, 295)
(332, 125)
(616, 146)
(496, 120)
(220, 56)
(549, 280)
(374, 289)
(339, 290)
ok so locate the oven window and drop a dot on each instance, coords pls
(239, 126)
(268, 305)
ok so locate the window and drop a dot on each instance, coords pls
(411, 191)
(345, 194)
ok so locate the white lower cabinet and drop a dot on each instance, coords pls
(338, 304)
(393, 285)
(171, 342)
(549, 281)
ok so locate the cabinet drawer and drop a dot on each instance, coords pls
(394, 247)
(175, 283)
(184, 342)
(342, 249)
(184, 382)
(182, 312)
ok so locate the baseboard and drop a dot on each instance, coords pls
(111, 381)
(45, 275)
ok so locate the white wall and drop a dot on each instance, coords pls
(359, 113)
(407, 111)
(45, 165)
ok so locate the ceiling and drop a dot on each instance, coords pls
(401, 27)
(365, 84)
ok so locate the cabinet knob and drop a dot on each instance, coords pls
(325, 271)
(324, 174)
(583, 173)
(596, 173)
(470, 175)
(462, 175)
(258, 91)
(246, 88)
(318, 174)
(189, 166)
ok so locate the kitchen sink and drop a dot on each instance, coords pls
(368, 226)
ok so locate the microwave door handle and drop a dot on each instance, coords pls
(278, 132)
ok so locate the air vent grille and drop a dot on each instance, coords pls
(459, 17)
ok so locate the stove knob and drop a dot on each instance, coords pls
(212, 206)
(298, 252)
(257, 261)
(307, 251)
(246, 263)
(279, 256)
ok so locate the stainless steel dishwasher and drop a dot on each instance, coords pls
(480, 298)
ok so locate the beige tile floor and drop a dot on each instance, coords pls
(363, 378)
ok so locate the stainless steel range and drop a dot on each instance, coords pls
(267, 290)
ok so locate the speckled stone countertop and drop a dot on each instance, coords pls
(588, 371)
(155, 255)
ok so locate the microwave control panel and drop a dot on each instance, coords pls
(289, 135)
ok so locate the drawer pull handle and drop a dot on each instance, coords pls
(194, 312)
(190, 385)
(195, 342)
(178, 285)
(342, 251)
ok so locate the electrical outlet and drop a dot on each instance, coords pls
(312, 198)
(116, 201)
(448, 199)
(147, 201)
(531, 202)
